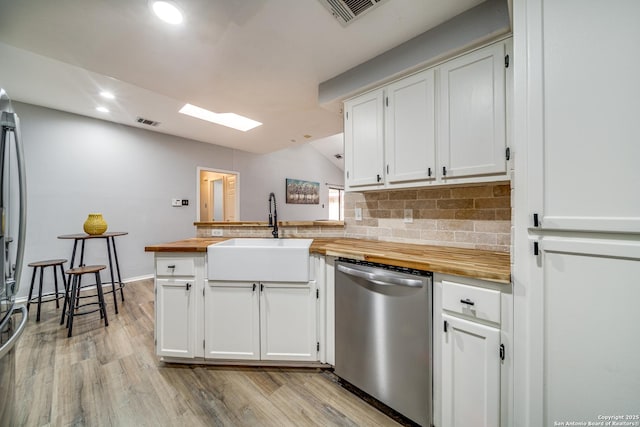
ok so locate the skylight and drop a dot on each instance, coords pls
(231, 120)
(167, 11)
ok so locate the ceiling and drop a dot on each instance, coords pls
(262, 59)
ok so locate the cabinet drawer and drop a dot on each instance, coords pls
(175, 267)
(472, 301)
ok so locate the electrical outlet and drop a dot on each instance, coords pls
(408, 216)
(185, 202)
(176, 202)
(216, 232)
(358, 214)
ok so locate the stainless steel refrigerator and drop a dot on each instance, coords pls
(12, 237)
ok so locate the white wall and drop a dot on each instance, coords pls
(77, 165)
(263, 174)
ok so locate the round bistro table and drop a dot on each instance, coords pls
(112, 254)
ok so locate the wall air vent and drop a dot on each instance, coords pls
(346, 11)
(147, 122)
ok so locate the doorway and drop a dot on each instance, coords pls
(218, 195)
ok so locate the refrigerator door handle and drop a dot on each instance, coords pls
(6, 348)
(22, 182)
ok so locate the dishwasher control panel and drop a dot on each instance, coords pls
(393, 268)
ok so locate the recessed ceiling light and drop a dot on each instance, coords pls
(167, 11)
(107, 95)
(102, 109)
(231, 120)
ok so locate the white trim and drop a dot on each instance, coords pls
(527, 130)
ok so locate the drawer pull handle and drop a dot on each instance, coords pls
(173, 267)
(188, 285)
(467, 301)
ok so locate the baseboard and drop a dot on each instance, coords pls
(137, 278)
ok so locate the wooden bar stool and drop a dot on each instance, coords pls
(72, 296)
(42, 265)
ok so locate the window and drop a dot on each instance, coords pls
(336, 204)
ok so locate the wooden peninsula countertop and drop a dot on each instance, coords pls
(485, 265)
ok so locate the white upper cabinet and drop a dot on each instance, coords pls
(583, 133)
(410, 132)
(472, 128)
(443, 125)
(364, 141)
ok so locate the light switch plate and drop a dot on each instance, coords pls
(176, 202)
(358, 214)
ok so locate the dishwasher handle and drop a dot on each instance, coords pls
(380, 277)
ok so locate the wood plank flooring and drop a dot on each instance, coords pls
(111, 377)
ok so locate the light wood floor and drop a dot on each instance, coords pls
(111, 377)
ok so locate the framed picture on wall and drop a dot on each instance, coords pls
(302, 192)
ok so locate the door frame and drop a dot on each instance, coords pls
(200, 169)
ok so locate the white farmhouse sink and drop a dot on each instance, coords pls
(266, 260)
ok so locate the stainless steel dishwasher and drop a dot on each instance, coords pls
(383, 334)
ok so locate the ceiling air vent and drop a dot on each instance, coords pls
(346, 11)
(147, 122)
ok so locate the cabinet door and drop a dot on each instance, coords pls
(590, 292)
(472, 126)
(288, 322)
(582, 137)
(175, 317)
(410, 129)
(470, 374)
(364, 140)
(232, 321)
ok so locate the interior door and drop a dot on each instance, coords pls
(230, 197)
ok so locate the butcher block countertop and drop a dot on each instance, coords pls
(485, 265)
(316, 223)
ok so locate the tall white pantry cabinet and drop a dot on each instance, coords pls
(577, 211)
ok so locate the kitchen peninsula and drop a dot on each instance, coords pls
(204, 321)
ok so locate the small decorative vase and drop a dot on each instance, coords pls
(95, 224)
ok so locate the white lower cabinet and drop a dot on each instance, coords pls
(470, 373)
(473, 363)
(176, 317)
(177, 283)
(232, 321)
(261, 321)
(288, 322)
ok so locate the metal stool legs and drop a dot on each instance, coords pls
(72, 298)
(41, 265)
